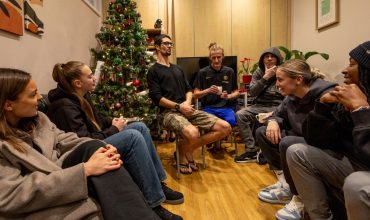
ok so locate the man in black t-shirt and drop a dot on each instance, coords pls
(216, 87)
(169, 89)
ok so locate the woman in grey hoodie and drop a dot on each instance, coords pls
(302, 86)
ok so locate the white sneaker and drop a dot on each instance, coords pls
(292, 211)
(276, 196)
(276, 185)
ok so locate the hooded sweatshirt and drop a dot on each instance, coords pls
(265, 91)
(291, 113)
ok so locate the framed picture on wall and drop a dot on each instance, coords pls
(95, 5)
(327, 13)
(11, 16)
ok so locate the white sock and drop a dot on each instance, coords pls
(281, 178)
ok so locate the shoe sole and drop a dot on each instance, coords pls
(273, 201)
(175, 202)
(281, 218)
(246, 161)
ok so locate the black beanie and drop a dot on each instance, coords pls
(362, 54)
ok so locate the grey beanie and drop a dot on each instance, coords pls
(362, 54)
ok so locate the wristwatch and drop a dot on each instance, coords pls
(177, 106)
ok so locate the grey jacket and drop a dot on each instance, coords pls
(265, 91)
(34, 186)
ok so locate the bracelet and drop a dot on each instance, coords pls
(361, 108)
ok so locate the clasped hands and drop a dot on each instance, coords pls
(186, 108)
(215, 90)
(350, 96)
(103, 160)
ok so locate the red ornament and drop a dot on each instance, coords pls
(117, 105)
(136, 82)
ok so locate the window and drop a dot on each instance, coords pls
(95, 5)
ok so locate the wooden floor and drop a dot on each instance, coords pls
(224, 190)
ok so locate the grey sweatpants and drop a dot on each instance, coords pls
(246, 119)
(357, 195)
(314, 171)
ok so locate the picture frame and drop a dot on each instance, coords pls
(95, 5)
(327, 13)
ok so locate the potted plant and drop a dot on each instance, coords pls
(296, 54)
(245, 70)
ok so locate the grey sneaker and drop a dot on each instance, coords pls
(292, 211)
(276, 185)
(276, 196)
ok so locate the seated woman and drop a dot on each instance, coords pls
(337, 132)
(71, 110)
(302, 86)
(49, 174)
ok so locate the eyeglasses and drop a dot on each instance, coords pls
(168, 44)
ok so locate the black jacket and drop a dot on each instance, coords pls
(332, 127)
(67, 114)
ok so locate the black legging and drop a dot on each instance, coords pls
(276, 153)
(117, 194)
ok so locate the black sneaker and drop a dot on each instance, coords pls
(172, 197)
(246, 157)
(164, 214)
(261, 160)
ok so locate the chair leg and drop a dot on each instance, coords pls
(235, 143)
(177, 157)
(203, 157)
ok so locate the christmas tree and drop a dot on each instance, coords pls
(122, 87)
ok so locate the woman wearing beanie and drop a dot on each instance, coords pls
(337, 133)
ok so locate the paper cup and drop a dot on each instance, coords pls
(219, 90)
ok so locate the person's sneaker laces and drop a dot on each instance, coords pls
(276, 196)
(276, 185)
(292, 211)
(164, 214)
(172, 197)
(261, 160)
(246, 157)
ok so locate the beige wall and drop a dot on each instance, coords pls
(70, 27)
(338, 40)
(242, 27)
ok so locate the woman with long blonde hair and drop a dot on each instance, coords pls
(71, 110)
(301, 85)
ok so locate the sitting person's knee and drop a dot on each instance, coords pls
(353, 183)
(190, 133)
(223, 126)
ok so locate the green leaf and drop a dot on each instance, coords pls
(311, 53)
